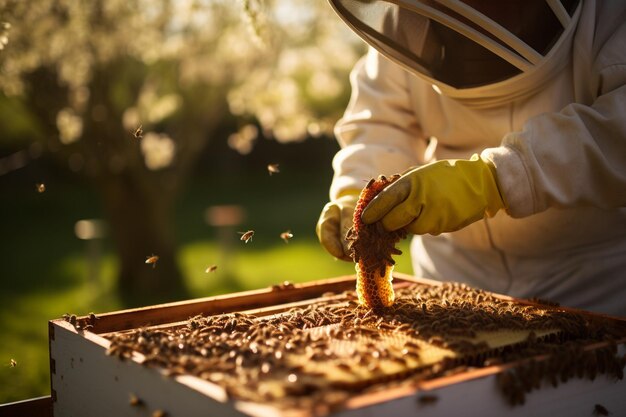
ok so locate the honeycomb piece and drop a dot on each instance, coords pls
(371, 247)
(374, 289)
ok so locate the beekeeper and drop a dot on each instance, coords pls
(508, 122)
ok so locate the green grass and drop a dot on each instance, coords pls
(295, 262)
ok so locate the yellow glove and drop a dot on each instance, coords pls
(334, 222)
(440, 197)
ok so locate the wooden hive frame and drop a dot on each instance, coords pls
(85, 381)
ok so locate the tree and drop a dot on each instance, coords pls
(129, 92)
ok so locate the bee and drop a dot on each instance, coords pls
(93, 318)
(138, 133)
(211, 268)
(273, 169)
(159, 413)
(12, 363)
(600, 410)
(246, 236)
(344, 367)
(135, 401)
(427, 399)
(41, 187)
(152, 260)
(285, 236)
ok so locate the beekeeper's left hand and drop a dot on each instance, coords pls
(443, 196)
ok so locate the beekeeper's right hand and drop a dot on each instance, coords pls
(334, 222)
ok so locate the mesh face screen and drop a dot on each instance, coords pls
(436, 47)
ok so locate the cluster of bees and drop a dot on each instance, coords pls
(296, 353)
(568, 360)
(372, 247)
(81, 325)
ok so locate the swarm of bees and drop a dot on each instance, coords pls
(304, 349)
(153, 259)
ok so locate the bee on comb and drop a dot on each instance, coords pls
(371, 247)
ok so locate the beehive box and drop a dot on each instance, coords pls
(308, 349)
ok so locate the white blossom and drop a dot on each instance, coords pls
(158, 150)
(70, 126)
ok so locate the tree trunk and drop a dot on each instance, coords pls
(139, 203)
(142, 226)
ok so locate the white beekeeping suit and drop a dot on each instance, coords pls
(547, 112)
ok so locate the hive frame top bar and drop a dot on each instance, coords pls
(228, 303)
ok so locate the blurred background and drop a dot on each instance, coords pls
(132, 129)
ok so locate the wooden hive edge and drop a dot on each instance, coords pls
(265, 302)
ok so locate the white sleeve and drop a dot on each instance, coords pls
(378, 133)
(575, 157)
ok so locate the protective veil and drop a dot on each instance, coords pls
(480, 59)
(447, 79)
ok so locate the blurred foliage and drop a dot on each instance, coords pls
(129, 93)
(283, 63)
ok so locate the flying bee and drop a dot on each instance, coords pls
(12, 363)
(138, 133)
(41, 187)
(273, 169)
(211, 268)
(285, 236)
(152, 260)
(246, 236)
